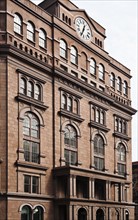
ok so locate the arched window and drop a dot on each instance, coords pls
(121, 159)
(92, 67)
(17, 24)
(125, 88)
(63, 49)
(82, 214)
(112, 80)
(42, 38)
(23, 86)
(102, 118)
(64, 102)
(101, 72)
(98, 152)
(69, 104)
(26, 213)
(70, 143)
(119, 84)
(100, 214)
(31, 130)
(73, 55)
(38, 213)
(30, 89)
(75, 106)
(98, 115)
(83, 61)
(37, 92)
(30, 31)
(32, 214)
(126, 215)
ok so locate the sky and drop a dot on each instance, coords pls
(120, 19)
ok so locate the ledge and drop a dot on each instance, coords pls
(99, 126)
(31, 101)
(70, 115)
(120, 135)
(31, 165)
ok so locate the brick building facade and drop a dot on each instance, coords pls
(65, 117)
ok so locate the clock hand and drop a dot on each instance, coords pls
(82, 30)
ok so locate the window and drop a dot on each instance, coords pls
(70, 143)
(98, 115)
(92, 67)
(63, 49)
(17, 24)
(28, 213)
(119, 84)
(121, 159)
(73, 55)
(30, 31)
(69, 103)
(112, 80)
(125, 88)
(101, 72)
(98, 152)
(42, 38)
(31, 184)
(69, 106)
(30, 88)
(31, 138)
(23, 86)
(37, 92)
(120, 125)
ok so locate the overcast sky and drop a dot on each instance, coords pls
(119, 18)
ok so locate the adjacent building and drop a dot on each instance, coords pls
(135, 186)
(65, 117)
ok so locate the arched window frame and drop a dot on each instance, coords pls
(76, 106)
(64, 102)
(92, 67)
(30, 89)
(125, 87)
(101, 72)
(30, 31)
(74, 55)
(119, 84)
(31, 138)
(26, 210)
(17, 23)
(63, 48)
(70, 145)
(121, 159)
(70, 104)
(112, 80)
(37, 92)
(42, 38)
(99, 152)
(23, 86)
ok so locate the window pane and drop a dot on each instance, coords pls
(30, 89)
(30, 31)
(92, 67)
(35, 152)
(73, 55)
(27, 184)
(42, 38)
(26, 213)
(17, 24)
(37, 92)
(35, 184)
(101, 72)
(23, 86)
(38, 213)
(63, 49)
(26, 126)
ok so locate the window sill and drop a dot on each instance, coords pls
(70, 115)
(121, 135)
(99, 126)
(31, 101)
(30, 165)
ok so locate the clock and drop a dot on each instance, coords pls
(83, 29)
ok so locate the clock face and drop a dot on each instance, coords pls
(83, 29)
